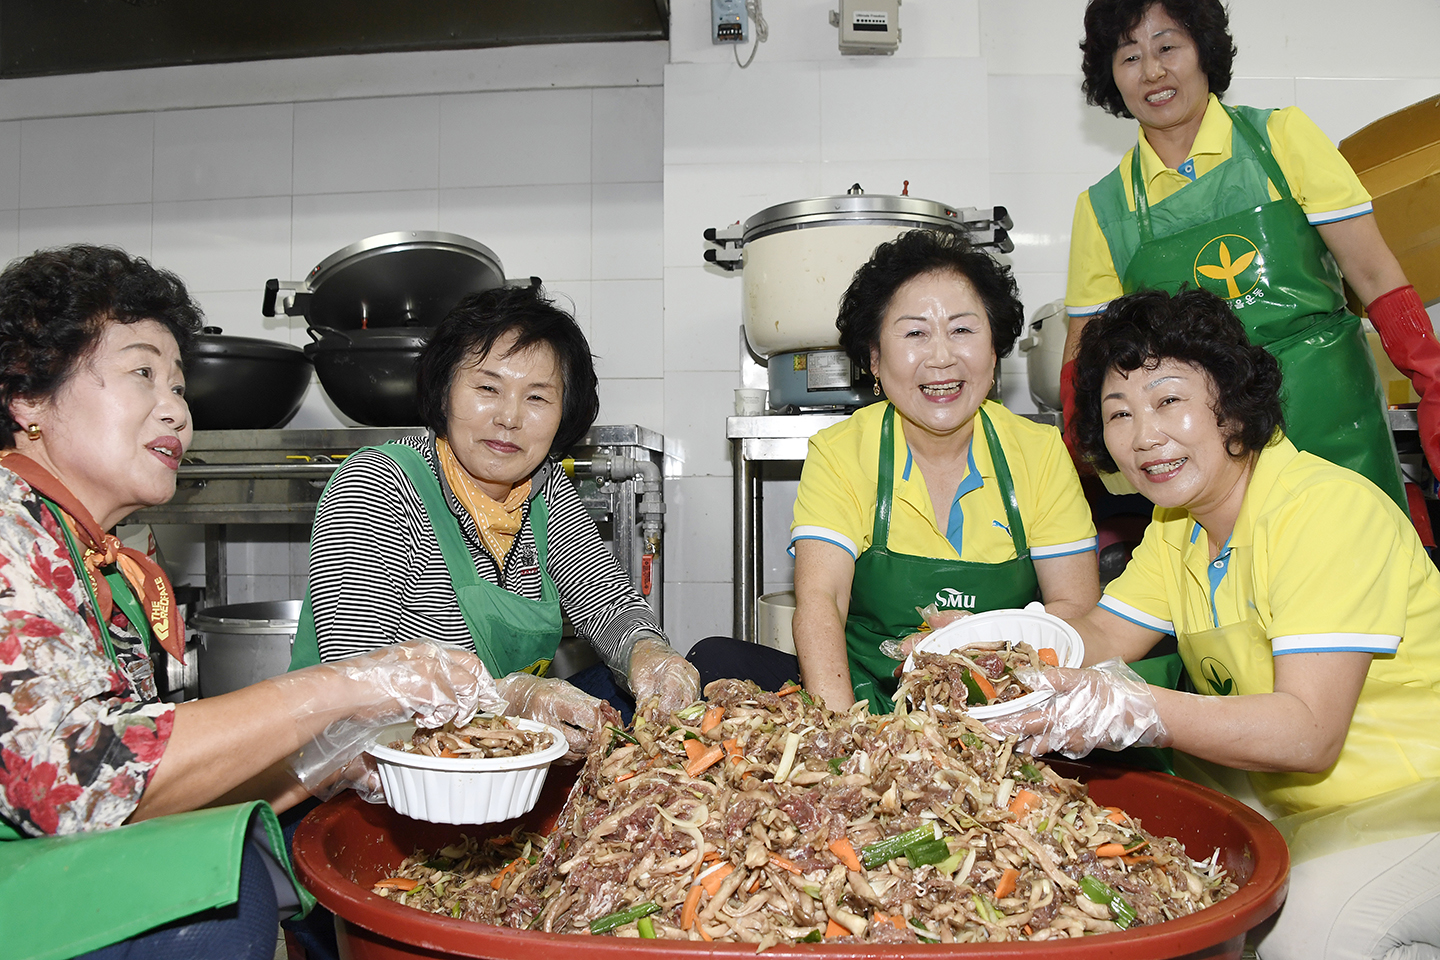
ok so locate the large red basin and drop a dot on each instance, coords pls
(345, 845)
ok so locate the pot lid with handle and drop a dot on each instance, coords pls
(405, 278)
(211, 343)
(856, 206)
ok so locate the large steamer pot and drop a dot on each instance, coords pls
(244, 643)
(243, 383)
(370, 374)
(345, 845)
(799, 257)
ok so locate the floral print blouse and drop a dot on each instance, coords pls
(78, 740)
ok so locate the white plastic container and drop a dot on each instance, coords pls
(445, 790)
(1031, 625)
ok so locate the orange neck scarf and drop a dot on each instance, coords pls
(102, 549)
(497, 522)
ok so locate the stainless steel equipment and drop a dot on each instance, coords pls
(243, 643)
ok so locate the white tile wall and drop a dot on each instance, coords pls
(598, 170)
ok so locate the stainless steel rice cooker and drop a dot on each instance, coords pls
(797, 260)
(1044, 348)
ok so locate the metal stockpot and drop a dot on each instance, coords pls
(244, 643)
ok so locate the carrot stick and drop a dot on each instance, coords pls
(1006, 884)
(624, 776)
(692, 901)
(397, 883)
(1138, 858)
(700, 929)
(705, 761)
(833, 929)
(785, 691)
(448, 754)
(897, 921)
(694, 749)
(755, 884)
(712, 719)
(1023, 802)
(1028, 932)
(732, 749)
(983, 682)
(500, 877)
(712, 880)
(1110, 850)
(841, 848)
(1115, 815)
(784, 864)
(1048, 656)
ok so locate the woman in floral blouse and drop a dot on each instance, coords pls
(92, 385)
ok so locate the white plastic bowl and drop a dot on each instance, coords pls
(446, 790)
(1031, 625)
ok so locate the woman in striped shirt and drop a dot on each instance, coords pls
(471, 535)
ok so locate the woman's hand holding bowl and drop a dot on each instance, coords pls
(1106, 706)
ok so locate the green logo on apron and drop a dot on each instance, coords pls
(1218, 676)
(1232, 260)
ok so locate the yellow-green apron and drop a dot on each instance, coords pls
(1386, 782)
(1222, 233)
(511, 633)
(889, 586)
(59, 896)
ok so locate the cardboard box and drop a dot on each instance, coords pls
(1398, 160)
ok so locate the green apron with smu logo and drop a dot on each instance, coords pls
(65, 895)
(1224, 234)
(889, 586)
(510, 633)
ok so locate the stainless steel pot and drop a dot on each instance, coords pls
(243, 383)
(244, 643)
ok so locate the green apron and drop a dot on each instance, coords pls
(58, 895)
(1222, 233)
(888, 586)
(511, 633)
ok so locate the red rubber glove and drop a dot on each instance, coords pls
(1067, 415)
(1409, 340)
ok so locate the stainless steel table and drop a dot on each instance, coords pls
(754, 440)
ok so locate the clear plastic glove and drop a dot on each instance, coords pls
(657, 670)
(429, 682)
(581, 717)
(1106, 706)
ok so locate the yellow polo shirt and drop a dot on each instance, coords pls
(836, 498)
(1320, 180)
(1325, 562)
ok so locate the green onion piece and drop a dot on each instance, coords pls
(618, 919)
(925, 939)
(621, 733)
(1136, 845)
(456, 911)
(692, 712)
(813, 892)
(646, 927)
(1030, 773)
(1101, 892)
(971, 740)
(975, 697)
(883, 851)
(690, 736)
(439, 863)
(986, 909)
(834, 763)
(814, 936)
(927, 851)
(809, 702)
(950, 864)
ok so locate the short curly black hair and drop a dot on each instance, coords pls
(473, 327)
(1194, 327)
(1107, 22)
(54, 305)
(914, 254)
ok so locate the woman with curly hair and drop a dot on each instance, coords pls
(1307, 614)
(1256, 206)
(132, 827)
(938, 496)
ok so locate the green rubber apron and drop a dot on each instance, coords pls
(511, 633)
(1222, 233)
(58, 895)
(889, 586)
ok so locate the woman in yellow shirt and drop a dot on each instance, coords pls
(1306, 610)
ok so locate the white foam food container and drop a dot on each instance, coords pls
(1031, 625)
(453, 790)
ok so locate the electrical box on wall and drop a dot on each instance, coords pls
(868, 26)
(727, 21)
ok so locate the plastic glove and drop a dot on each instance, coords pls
(430, 682)
(1409, 340)
(656, 670)
(581, 717)
(1106, 706)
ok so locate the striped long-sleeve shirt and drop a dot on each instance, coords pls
(377, 575)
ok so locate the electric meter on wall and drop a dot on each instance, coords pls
(868, 26)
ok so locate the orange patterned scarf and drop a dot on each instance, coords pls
(497, 522)
(102, 549)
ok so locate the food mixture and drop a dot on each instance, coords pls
(766, 818)
(977, 675)
(483, 738)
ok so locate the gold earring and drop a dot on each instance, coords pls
(33, 431)
(876, 387)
